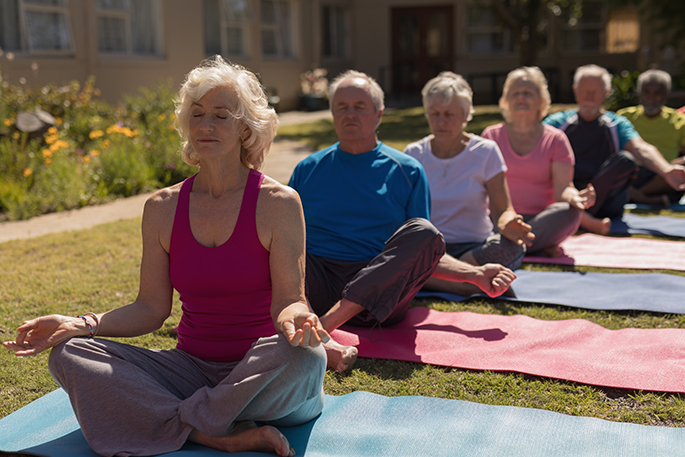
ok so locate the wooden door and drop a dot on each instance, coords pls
(422, 45)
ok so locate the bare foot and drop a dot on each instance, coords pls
(340, 358)
(595, 225)
(554, 251)
(245, 437)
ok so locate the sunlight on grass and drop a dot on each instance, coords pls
(97, 269)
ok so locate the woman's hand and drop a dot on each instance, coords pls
(304, 329)
(41, 333)
(583, 199)
(518, 231)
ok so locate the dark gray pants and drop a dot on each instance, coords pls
(495, 249)
(611, 184)
(386, 284)
(135, 401)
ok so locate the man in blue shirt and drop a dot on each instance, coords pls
(370, 246)
(605, 146)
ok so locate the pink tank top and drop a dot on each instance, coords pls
(225, 290)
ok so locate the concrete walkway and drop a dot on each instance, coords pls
(279, 164)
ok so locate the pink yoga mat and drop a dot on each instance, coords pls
(604, 251)
(574, 350)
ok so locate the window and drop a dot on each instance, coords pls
(582, 28)
(335, 29)
(484, 35)
(35, 26)
(226, 27)
(129, 27)
(277, 29)
(623, 32)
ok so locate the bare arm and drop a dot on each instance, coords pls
(509, 223)
(146, 314)
(565, 191)
(651, 158)
(289, 310)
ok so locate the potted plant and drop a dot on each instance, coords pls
(314, 89)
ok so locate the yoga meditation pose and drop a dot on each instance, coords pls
(606, 147)
(231, 241)
(468, 188)
(370, 246)
(663, 128)
(539, 161)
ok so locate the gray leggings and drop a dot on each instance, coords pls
(135, 401)
(495, 249)
(553, 225)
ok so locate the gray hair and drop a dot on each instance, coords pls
(592, 70)
(377, 95)
(654, 76)
(534, 75)
(448, 86)
(253, 108)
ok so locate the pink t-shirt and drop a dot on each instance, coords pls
(530, 176)
(225, 290)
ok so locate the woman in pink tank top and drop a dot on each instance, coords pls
(231, 241)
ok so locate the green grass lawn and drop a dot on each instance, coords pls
(97, 269)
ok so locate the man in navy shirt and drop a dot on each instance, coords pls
(370, 245)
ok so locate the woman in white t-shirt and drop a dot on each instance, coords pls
(466, 174)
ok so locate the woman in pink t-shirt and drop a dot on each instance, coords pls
(540, 162)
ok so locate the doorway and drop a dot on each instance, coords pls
(422, 46)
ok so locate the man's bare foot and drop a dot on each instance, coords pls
(554, 251)
(340, 358)
(595, 225)
(245, 437)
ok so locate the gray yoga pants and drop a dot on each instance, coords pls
(553, 225)
(386, 284)
(135, 401)
(495, 249)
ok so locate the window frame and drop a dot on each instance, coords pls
(600, 27)
(127, 16)
(509, 45)
(345, 51)
(25, 47)
(276, 28)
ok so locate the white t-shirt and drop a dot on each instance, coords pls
(459, 199)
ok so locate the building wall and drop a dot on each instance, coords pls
(370, 50)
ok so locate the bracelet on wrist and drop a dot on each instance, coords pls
(90, 327)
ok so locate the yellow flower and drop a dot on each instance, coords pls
(15, 135)
(95, 134)
(48, 161)
(106, 143)
(85, 159)
(161, 117)
(47, 153)
(51, 139)
(172, 116)
(27, 172)
(9, 122)
(52, 130)
(94, 152)
(59, 121)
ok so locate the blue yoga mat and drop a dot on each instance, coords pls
(362, 424)
(651, 225)
(656, 292)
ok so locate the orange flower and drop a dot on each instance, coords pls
(27, 172)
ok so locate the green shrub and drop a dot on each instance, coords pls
(623, 91)
(94, 152)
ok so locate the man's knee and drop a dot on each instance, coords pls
(421, 233)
